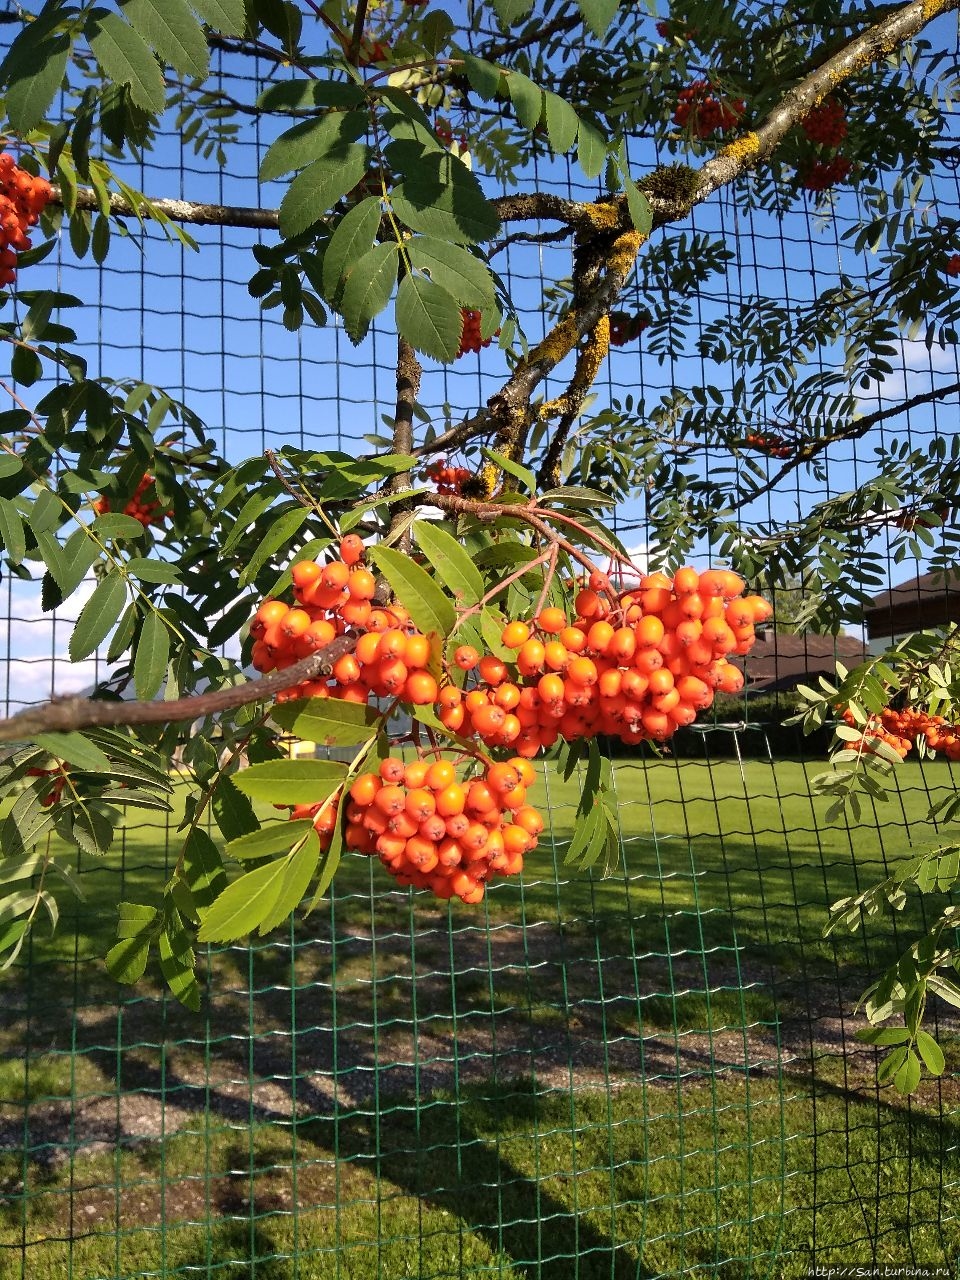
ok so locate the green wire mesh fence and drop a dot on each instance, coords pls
(648, 1075)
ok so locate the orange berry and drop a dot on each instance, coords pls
(418, 651)
(351, 549)
(649, 631)
(449, 696)
(686, 581)
(415, 774)
(647, 660)
(502, 777)
(456, 825)
(507, 696)
(514, 635)
(420, 688)
(361, 584)
(440, 775)
(531, 657)
(391, 799)
(346, 669)
(392, 769)
(335, 575)
(368, 649)
(305, 574)
(515, 838)
(451, 800)
(393, 644)
(421, 853)
(420, 804)
(556, 655)
(272, 612)
(530, 819)
(599, 637)
(481, 798)
(551, 621)
(550, 688)
(356, 613)
(452, 718)
(487, 720)
(528, 774)
(492, 669)
(583, 671)
(623, 645)
(391, 675)
(574, 639)
(466, 657)
(587, 603)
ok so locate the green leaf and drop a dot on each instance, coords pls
(75, 749)
(300, 867)
(511, 11)
(444, 199)
(291, 781)
(591, 150)
(639, 206)
(98, 616)
(299, 95)
(485, 78)
(277, 536)
(515, 469)
(452, 562)
(455, 269)
(135, 917)
(313, 192)
(326, 721)
(270, 839)
(562, 123)
(228, 16)
(429, 608)
(354, 237)
(244, 903)
(233, 811)
(152, 655)
(159, 571)
(26, 366)
(125, 58)
(34, 82)
(11, 531)
(368, 288)
(931, 1053)
(598, 14)
(126, 961)
(527, 97)
(429, 318)
(317, 139)
(172, 32)
(908, 1076)
(10, 466)
(203, 868)
(178, 965)
(117, 526)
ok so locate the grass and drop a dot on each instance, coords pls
(553, 1085)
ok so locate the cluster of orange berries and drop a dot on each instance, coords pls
(625, 327)
(900, 729)
(22, 200)
(433, 832)
(823, 174)
(637, 670)
(470, 338)
(449, 480)
(389, 659)
(776, 446)
(953, 265)
(704, 113)
(826, 124)
(138, 506)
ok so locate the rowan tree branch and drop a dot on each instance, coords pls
(854, 431)
(64, 714)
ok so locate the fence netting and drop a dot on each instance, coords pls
(649, 1074)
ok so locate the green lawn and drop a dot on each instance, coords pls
(580, 1078)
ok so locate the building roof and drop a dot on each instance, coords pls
(784, 661)
(929, 600)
